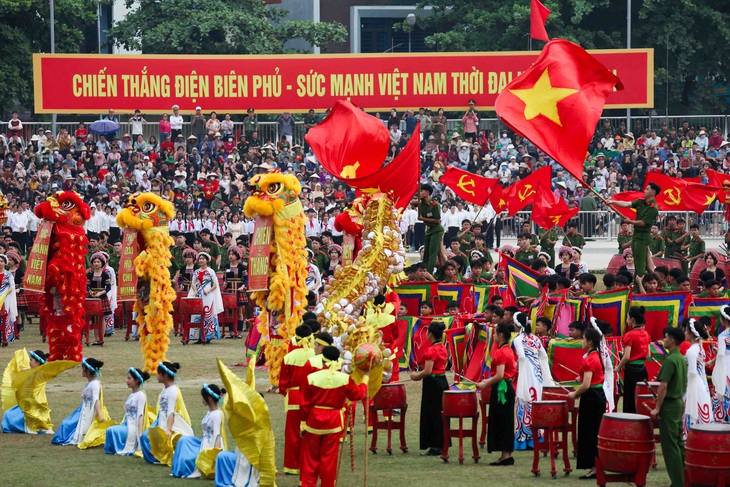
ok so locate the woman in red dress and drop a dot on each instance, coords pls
(501, 429)
(434, 385)
(592, 402)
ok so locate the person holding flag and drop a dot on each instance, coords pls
(646, 215)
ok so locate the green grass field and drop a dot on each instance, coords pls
(31, 460)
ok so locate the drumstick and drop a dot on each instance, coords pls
(648, 407)
(569, 370)
(651, 389)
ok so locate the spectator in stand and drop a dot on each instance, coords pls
(137, 122)
(176, 123)
(702, 141)
(197, 124)
(111, 116)
(286, 126)
(471, 123)
(164, 128)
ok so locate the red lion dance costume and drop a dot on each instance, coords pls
(63, 306)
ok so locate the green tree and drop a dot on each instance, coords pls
(696, 33)
(216, 27)
(24, 30)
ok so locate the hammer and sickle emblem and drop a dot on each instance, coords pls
(350, 172)
(463, 184)
(672, 198)
(555, 219)
(526, 192)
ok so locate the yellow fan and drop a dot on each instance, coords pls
(162, 447)
(250, 423)
(20, 361)
(30, 392)
(205, 463)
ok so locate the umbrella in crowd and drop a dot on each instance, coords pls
(103, 127)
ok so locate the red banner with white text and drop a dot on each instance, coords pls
(90, 83)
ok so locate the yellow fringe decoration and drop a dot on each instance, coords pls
(152, 265)
(277, 195)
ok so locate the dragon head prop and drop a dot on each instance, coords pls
(64, 207)
(144, 211)
(3, 208)
(271, 193)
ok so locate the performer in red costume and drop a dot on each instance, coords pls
(324, 394)
(293, 375)
(63, 307)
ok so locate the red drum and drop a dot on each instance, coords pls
(645, 404)
(707, 453)
(668, 263)
(556, 393)
(701, 265)
(191, 306)
(391, 396)
(230, 301)
(93, 307)
(642, 389)
(616, 262)
(549, 414)
(626, 443)
(459, 403)
(486, 394)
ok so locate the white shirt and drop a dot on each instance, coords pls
(452, 219)
(410, 217)
(18, 222)
(176, 122)
(331, 227)
(33, 220)
(312, 228)
(94, 223)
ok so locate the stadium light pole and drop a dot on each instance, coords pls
(411, 19)
(53, 51)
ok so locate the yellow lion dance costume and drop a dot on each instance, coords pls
(277, 195)
(149, 214)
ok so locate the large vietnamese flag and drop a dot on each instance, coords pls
(558, 101)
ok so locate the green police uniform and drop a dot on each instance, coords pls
(321, 260)
(670, 247)
(215, 251)
(534, 240)
(114, 263)
(657, 245)
(623, 239)
(696, 247)
(526, 256)
(674, 374)
(576, 240)
(467, 242)
(647, 213)
(547, 247)
(177, 258)
(225, 262)
(434, 232)
(678, 249)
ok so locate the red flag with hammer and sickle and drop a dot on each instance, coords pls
(523, 192)
(468, 186)
(679, 195)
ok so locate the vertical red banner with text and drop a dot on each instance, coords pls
(259, 255)
(35, 272)
(127, 286)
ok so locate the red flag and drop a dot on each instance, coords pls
(629, 213)
(496, 199)
(523, 192)
(679, 195)
(468, 186)
(717, 179)
(558, 101)
(548, 210)
(399, 178)
(538, 16)
(349, 143)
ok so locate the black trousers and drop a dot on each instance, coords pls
(633, 373)
(501, 427)
(431, 425)
(590, 414)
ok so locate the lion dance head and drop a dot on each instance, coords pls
(144, 211)
(64, 207)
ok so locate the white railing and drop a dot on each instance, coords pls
(269, 131)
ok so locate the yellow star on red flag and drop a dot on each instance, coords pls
(542, 98)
